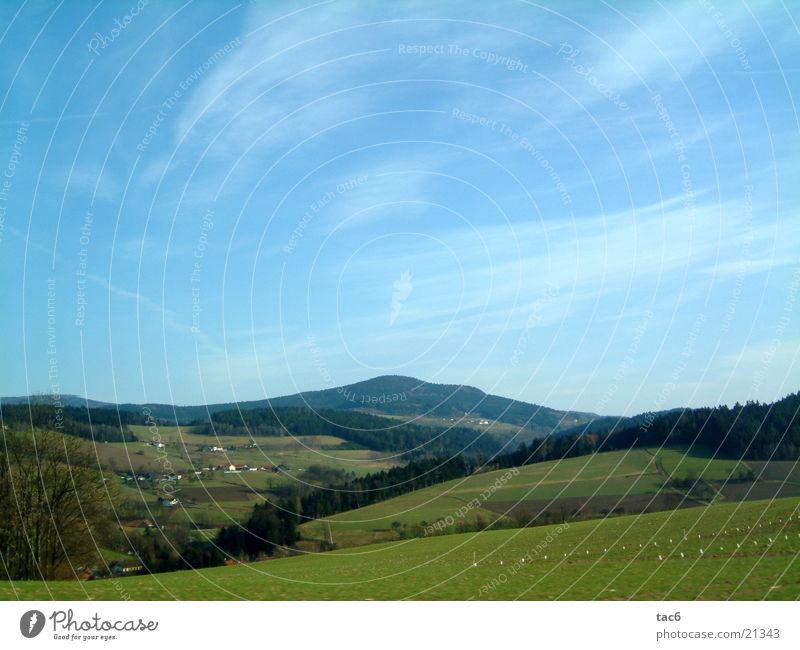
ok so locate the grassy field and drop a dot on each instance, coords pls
(610, 473)
(631, 481)
(183, 450)
(698, 463)
(745, 551)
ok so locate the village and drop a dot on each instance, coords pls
(165, 481)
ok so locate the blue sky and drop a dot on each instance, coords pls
(585, 206)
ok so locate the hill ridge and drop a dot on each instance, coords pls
(386, 395)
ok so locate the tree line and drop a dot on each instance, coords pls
(268, 530)
(101, 425)
(356, 492)
(753, 431)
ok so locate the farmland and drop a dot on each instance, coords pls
(699, 463)
(620, 482)
(206, 491)
(184, 447)
(582, 476)
(731, 550)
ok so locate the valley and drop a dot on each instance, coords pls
(290, 502)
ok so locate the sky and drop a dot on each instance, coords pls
(590, 206)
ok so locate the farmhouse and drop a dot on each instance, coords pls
(125, 568)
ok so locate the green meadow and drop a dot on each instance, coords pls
(610, 473)
(742, 551)
(699, 463)
(630, 481)
(183, 450)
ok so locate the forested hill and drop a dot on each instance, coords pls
(752, 431)
(362, 429)
(398, 395)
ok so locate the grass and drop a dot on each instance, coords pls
(631, 557)
(683, 463)
(108, 555)
(608, 473)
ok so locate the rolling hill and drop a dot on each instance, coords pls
(616, 482)
(729, 551)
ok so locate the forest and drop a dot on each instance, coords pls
(98, 424)
(363, 429)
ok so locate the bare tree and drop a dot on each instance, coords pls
(55, 507)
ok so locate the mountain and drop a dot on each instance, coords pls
(387, 395)
(408, 397)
